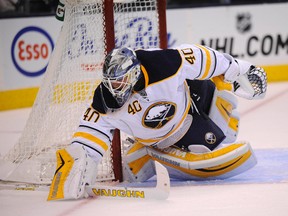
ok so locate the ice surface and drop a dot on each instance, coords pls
(262, 191)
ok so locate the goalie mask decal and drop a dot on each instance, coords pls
(159, 114)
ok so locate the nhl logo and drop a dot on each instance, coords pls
(244, 22)
(210, 138)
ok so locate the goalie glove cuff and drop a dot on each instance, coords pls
(236, 69)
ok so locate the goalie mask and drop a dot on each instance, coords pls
(121, 71)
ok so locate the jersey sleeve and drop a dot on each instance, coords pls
(94, 133)
(159, 64)
(201, 63)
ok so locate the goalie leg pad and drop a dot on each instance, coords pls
(222, 163)
(138, 165)
(233, 128)
(74, 170)
(223, 113)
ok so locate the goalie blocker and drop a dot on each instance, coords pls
(75, 170)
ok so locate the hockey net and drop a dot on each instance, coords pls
(91, 28)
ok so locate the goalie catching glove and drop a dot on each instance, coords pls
(251, 85)
(75, 170)
(243, 79)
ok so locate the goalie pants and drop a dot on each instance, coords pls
(203, 131)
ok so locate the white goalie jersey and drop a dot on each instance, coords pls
(160, 101)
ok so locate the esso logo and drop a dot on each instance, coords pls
(31, 50)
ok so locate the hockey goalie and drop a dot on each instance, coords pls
(179, 106)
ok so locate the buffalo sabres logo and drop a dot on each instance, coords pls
(210, 138)
(159, 114)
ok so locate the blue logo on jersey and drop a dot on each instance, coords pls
(159, 114)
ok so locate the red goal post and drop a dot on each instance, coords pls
(91, 28)
(162, 43)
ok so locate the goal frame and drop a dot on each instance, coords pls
(110, 33)
(67, 89)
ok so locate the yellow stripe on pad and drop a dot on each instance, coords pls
(213, 171)
(64, 165)
(135, 147)
(137, 165)
(233, 123)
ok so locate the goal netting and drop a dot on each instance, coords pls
(90, 29)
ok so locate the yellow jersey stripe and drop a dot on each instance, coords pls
(208, 61)
(146, 77)
(92, 138)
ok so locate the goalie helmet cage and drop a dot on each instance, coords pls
(90, 30)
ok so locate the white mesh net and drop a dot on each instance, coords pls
(73, 73)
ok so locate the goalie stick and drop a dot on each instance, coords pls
(161, 191)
